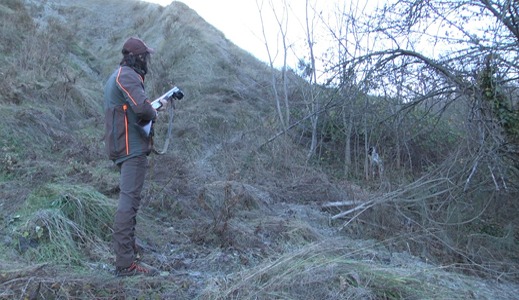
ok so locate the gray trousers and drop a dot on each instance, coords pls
(132, 173)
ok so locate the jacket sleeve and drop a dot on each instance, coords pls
(131, 85)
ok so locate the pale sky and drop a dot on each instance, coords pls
(237, 19)
(240, 22)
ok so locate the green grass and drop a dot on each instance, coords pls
(63, 223)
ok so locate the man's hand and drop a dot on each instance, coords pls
(164, 104)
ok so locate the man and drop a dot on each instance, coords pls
(126, 104)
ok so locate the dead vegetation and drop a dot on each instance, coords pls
(225, 215)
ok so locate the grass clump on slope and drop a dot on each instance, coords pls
(65, 223)
(332, 269)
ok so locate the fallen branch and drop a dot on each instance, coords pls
(364, 205)
(403, 195)
(339, 203)
(8, 275)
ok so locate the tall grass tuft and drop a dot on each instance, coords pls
(66, 223)
(330, 269)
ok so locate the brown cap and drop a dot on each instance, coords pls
(136, 46)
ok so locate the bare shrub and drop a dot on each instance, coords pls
(221, 201)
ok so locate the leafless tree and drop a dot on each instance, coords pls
(456, 62)
(283, 110)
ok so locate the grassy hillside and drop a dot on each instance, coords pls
(222, 217)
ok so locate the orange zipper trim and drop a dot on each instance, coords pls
(125, 107)
(122, 87)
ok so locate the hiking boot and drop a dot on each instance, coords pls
(136, 269)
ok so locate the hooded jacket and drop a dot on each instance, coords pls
(126, 104)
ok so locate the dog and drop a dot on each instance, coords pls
(375, 162)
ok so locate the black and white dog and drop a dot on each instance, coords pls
(375, 162)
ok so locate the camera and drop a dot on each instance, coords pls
(174, 93)
(177, 93)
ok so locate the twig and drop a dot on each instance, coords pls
(359, 207)
(493, 177)
(358, 214)
(339, 203)
(325, 108)
(470, 176)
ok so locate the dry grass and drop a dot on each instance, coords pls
(63, 223)
(328, 269)
(224, 217)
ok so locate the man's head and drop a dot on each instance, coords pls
(136, 54)
(136, 46)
